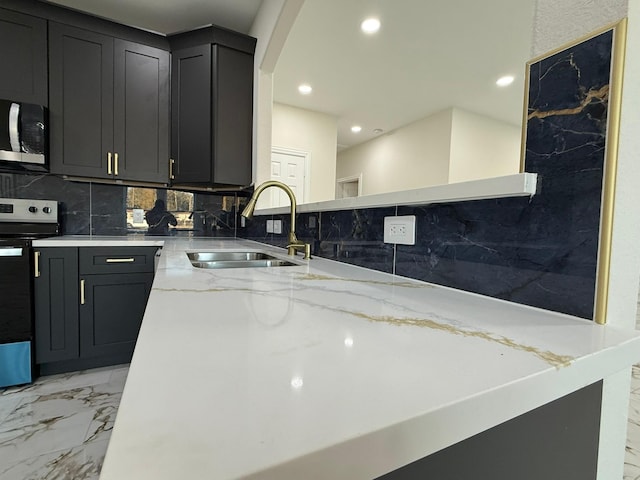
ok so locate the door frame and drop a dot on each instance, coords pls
(349, 179)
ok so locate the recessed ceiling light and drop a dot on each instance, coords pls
(356, 129)
(505, 81)
(305, 89)
(370, 25)
(378, 131)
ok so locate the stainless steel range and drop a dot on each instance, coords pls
(21, 221)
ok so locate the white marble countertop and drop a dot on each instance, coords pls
(100, 240)
(330, 371)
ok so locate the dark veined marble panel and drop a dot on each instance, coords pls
(108, 209)
(73, 197)
(357, 237)
(214, 215)
(542, 251)
(100, 209)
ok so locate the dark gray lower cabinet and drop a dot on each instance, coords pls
(89, 305)
(557, 441)
(112, 312)
(56, 305)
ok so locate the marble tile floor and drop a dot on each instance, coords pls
(58, 427)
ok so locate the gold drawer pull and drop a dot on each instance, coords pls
(82, 299)
(115, 171)
(109, 170)
(121, 260)
(36, 263)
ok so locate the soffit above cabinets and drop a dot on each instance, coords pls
(171, 16)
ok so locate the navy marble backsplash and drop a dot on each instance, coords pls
(539, 251)
(89, 208)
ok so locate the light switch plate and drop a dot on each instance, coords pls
(269, 226)
(277, 226)
(400, 230)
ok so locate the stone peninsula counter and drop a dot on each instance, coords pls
(330, 371)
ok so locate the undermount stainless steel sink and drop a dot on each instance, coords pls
(229, 259)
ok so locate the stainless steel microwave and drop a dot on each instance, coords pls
(23, 136)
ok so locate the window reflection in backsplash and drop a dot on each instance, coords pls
(140, 200)
(6, 184)
(105, 209)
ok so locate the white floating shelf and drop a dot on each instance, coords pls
(518, 185)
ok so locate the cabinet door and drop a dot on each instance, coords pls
(56, 304)
(81, 106)
(112, 312)
(141, 112)
(23, 56)
(233, 116)
(191, 115)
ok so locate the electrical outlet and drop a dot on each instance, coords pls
(400, 230)
(277, 226)
(269, 226)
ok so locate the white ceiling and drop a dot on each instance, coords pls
(171, 16)
(428, 56)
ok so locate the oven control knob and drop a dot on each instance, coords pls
(46, 209)
(33, 209)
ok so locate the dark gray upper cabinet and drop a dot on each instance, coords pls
(81, 106)
(109, 96)
(141, 112)
(23, 56)
(191, 115)
(212, 108)
(109, 109)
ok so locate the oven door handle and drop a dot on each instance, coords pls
(11, 251)
(36, 264)
(14, 127)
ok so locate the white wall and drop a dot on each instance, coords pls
(312, 132)
(450, 146)
(413, 156)
(271, 27)
(482, 147)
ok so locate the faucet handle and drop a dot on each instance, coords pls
(293, 247)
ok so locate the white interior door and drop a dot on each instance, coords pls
(288, 167)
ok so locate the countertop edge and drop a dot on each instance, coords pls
(455, 422)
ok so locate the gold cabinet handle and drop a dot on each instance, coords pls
(36, 264)
(172, 162)
(109, 171)
(120, 260)
(116, 164)
(82, 299)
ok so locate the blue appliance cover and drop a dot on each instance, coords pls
(15, 363)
